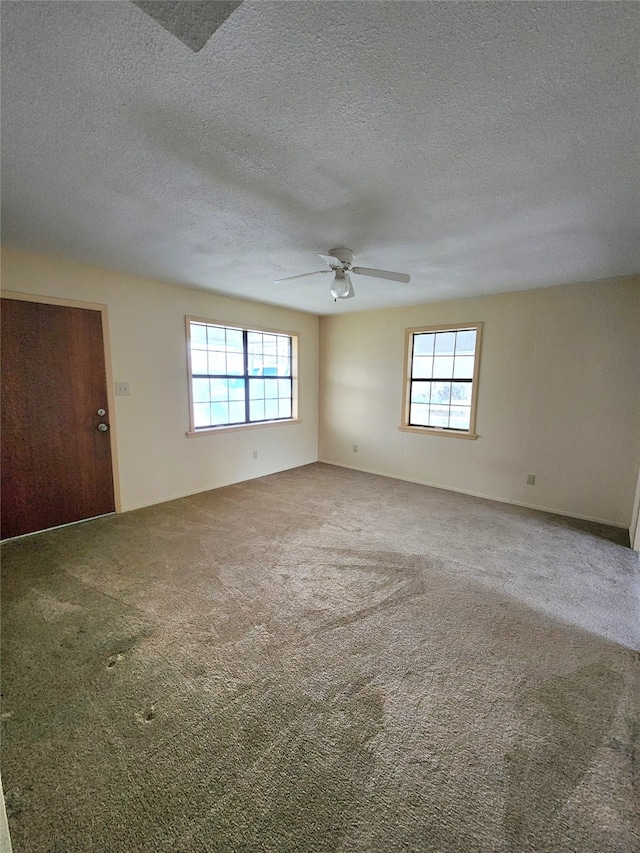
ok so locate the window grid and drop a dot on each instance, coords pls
(239, 376)
(442, 364)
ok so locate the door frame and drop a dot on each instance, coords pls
(104, 312)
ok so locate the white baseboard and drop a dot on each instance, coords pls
(220, 485)
(477, 494)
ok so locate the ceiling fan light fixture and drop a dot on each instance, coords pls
(340, 286)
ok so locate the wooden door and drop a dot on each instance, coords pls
(56, 462)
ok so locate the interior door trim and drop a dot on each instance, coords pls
(104, 311)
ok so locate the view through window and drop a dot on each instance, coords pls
(239, 376)
(442, 378)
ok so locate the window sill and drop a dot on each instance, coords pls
(236, 427)
(443, 432)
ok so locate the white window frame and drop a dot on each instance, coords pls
(408, 365)
(295, 418)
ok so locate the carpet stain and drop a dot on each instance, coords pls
(147, 714)
(52, 608)
(565, 721)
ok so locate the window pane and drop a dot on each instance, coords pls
(463, 367)
(217, 363)
(236, 413)
(198, 335)
(440, 392)
(439, 416)
(420, 392)
(419, 414)
(256, 410)
(422, 367)
(200, 390)
(460, 417)
(284, 408)
(201, 414)
(284, 388)
(219, 413)
(254, 341)
(442, 367)
(256, 389)
(284, 367)
(199, 361)
(284, 346)
(235, 364)
(216, 337)
(271, 409)
(219, 390)
(234, 340)
(270, 388)
(461, 393)
(445, 343)
(270, 345)
(261, 365)
(466, 342)
(423, 344)
(236, 389)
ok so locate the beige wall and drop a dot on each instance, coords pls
(559, 397)
(157, 461)
(559, 393)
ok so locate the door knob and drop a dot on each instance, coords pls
(103, 427)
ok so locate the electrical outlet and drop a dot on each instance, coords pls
(355, 448)
(255, 454)
(122, 389)
(531, 479)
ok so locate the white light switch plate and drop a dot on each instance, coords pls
(122, 389)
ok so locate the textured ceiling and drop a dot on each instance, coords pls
(480, 147)
(194, 22)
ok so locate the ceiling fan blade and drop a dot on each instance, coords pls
(390, 276)
(303, 275)
(335, 262)
(351, 292)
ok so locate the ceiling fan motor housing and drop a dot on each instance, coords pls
(345, 256)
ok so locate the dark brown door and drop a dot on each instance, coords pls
(56, 462)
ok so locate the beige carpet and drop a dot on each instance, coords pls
(322, 660)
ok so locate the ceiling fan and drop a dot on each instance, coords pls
(340, 263)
